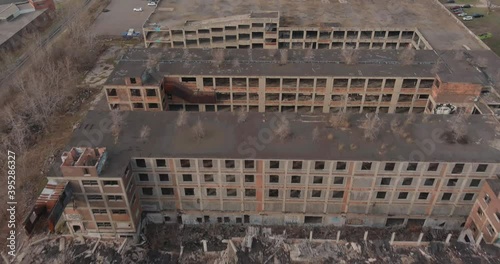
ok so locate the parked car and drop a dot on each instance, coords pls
(450, 1)
(462, 14)
(486, 35)
(477, 15)
(467, 18)
(455, 7)
(138, 9)
(457, 11)
(151, 4)
(466, 6)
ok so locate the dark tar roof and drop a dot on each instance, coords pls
(226, 138)
(304, 63)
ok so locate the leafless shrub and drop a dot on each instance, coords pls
(236, 63)
(186, 54)
(353, 146)
(437, 67)
(241, 115)
(340, 120)
(330, 136)
(199, 130)
(341, 147)
(458, 125)
(271, 53)
(218, 57)
(283, 56)
(153, 62)
(407, 55)
(117, 122)
(426, 118)
(250, 54)
(371, 126)
(309, 55)
(283, 130)
(181, 118)
(315, 134)
(396, 127)
(489, 6)
(144, 133)
(350, 56)
(410, 119)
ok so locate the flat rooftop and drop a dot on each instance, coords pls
(225, 137)
(260, 62)
(10, 28)
(431, 19)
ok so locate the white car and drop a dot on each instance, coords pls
(138, 9)
(151, 4)
(467, 18)
(462, 14)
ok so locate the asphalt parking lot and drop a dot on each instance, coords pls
(121, 17)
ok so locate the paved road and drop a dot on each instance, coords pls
(121, 17)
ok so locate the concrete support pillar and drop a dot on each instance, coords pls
(365, 237)
(338, 236)
(204, 242)
(310, 235)
(479, 239)
(420, 238)
(448, 239)
(393, 236)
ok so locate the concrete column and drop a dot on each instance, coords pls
(479, 239)
(366, 236)
(420, 238)
(338, 236)
(448, 239)
(392, 238)
(310, 235)
(205, 249)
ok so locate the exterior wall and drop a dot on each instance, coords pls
(42, 4)
(350, 195)
(136, 98)
(484, 216)
(462, 95)
(267, 34)
(290, 94)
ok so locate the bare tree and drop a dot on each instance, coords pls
(350, 56)
(271, 53)
(250, 54)
(489, 6)
(438, 65)
(396, 126)
(242, 115)
(407, 55)
(218, 57)
(117, 123)
(283, 130)
(283, 56)
(236, 63)
(181, 118)
(315, 134)
(458, 125)
(340, 120)
(371, 126)
(185, 54)
(144, 133)
(199, 130)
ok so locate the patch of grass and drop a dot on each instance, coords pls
(488, 23)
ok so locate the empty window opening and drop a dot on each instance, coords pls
(274, 164)
(389, 166)
(273, 193)
(167, 191)
(385, 181)
(231, 192)
(381, 195)
(337, 194)
(187, 177)
(316, 193)
(274, 178)
(475, 183)
(189, 191)
(433, 166)
(249, 178)
(366, 166)
(295, 179)
(313, 219)
(319, 165)
(429, 182)
(395, 221)
(317, 179)
(482, 167)
(250, 192)
(341, 165)
(297, 165)
(423, 195)
(412, 166)
(407, 181)
(249, 164)
(295, 193)
(468, 196)
(230, 164)
(185, 163)
(211, 192)
(208, 177)
(403, 195)
(230, 178)
(452, 182)
(143, 177)
(446, 197)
